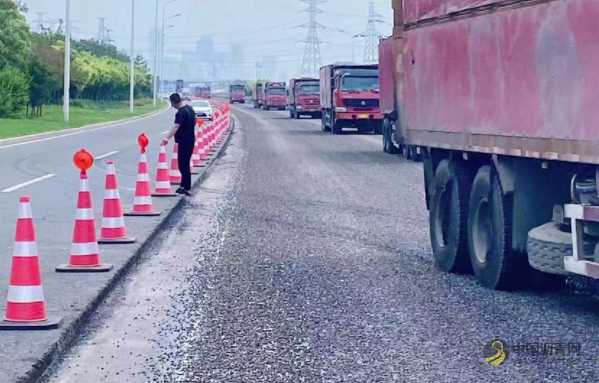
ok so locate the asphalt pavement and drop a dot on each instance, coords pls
(305, 257)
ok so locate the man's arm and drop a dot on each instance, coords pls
(170, 134)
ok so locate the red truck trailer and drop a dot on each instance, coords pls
(303, 97)
(275, 96)
(259, 95)
(237, 93)
(501, 96)
(349, 97)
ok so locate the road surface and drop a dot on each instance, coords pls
(305, 258)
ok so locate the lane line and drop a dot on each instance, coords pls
(81, 131)
(22, 185)
(106, 155)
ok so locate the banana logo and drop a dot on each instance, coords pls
(495, 353)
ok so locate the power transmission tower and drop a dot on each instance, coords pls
(372, 35)
(102, 31)
(312, 61)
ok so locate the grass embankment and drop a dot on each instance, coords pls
(82, 113)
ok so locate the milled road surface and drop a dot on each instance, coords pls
(305, 258)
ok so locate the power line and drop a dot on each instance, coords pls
(312, 60)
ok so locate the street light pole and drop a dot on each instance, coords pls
(66, 100)
(132, 58)
(155, 77)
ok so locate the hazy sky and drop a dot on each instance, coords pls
(262, 27)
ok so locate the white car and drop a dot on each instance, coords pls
(202, 108)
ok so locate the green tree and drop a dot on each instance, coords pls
(14, 91)
(15, 37)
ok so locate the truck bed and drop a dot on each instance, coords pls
(521, 79)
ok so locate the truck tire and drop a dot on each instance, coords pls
(323, 123)
(494, 263)
(388, 142)
(335, 127)
(548, 245)
(448, 215)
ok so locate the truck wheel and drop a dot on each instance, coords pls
(389, 145)
(323, 124)
(447, 216)
(548, 245)
(297, 115)
(495, 264)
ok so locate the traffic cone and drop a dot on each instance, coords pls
(85, 253)
(175, 174)
(195, 158)
(113, 223)
(192, 168)
(202, 144)
(163, 179)
(25, 303)
(142, 202)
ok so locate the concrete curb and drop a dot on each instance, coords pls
(70, 333)
(58, 133)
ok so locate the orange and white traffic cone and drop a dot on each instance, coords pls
(195, 158)
(85, 252)
(142, 201)
(25, 303)
(175, 174)
(163, 178)
(202, 142)
(113, 222)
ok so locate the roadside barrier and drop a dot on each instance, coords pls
(175, 174)
(113, 229)
(163, 178)
(142, 201)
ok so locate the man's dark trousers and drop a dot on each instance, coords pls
(185, 152)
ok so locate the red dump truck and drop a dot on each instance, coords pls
(259, 95)
(275, 96)
(237, 93)
(501, 98)
(303, 97)
(349, 98)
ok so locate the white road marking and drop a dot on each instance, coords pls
(106, 155)
(79, 131)
(19, 186)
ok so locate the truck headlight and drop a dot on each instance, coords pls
(340, 109)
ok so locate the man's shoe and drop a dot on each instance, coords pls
(186, 192)
(180, 191)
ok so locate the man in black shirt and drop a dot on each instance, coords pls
(184, 133)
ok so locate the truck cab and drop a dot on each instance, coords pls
(237, 93)
(304, 97)
(275, 96)
(350, 98)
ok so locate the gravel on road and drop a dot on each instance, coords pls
(305, 258)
